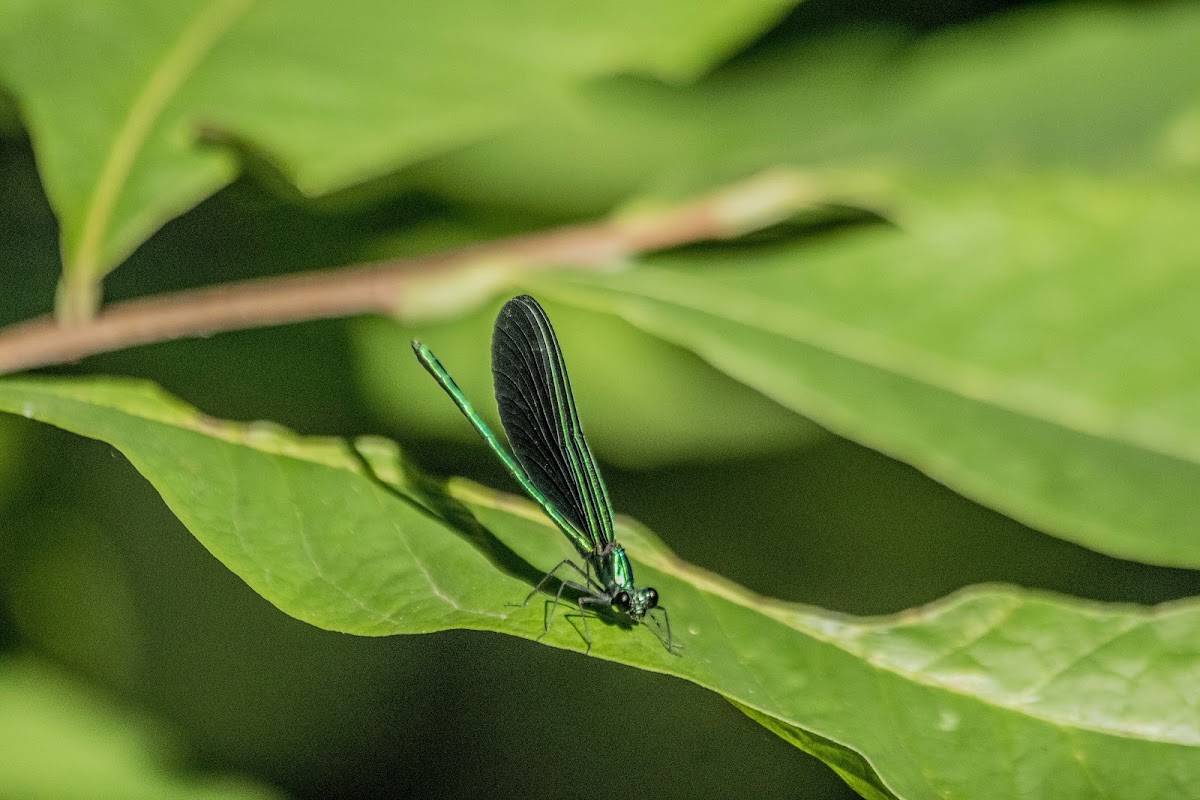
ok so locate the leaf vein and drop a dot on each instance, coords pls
(179, 61)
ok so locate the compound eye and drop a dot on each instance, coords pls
(651, 598)
(621, 600)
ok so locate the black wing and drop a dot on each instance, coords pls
(538, 414)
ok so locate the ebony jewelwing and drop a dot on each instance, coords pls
(551, 459)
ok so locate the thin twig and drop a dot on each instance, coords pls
(381, 287)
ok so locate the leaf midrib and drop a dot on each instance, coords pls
(180, 60)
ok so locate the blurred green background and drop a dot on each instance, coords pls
(103, 592)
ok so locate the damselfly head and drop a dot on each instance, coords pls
(637, 603)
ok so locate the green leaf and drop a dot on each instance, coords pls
(1030, 341)
(116, 96)
(1026, 89)
(59, 741)
(994, 692)
(1090, 87)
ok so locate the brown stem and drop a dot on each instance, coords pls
(381, 287)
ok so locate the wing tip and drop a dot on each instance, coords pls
(526, 302)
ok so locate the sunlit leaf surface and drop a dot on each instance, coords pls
(1093, 88)
(117, 95)
(994, 692)
(1030, 341)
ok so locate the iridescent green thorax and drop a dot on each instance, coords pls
(613, 569)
